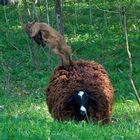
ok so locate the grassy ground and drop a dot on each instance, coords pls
(23, 111)
(26, 117)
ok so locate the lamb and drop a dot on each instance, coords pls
(80, 91)
(37, 38)
(44, 34)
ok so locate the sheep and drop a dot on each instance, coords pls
(45, 34)
(80, 91)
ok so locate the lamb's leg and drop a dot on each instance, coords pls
(67, 51)
(60, 54)
(70, 60)
(41, 39)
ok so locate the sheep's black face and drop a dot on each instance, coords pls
(80, 100)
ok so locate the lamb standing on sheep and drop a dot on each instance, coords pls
(45, 34)
(81, 79)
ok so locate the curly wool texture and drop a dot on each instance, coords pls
(82, 75)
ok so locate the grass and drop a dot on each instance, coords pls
(27, 117)
(23, 110)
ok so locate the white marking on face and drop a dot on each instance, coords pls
(82, 108)
(81, 93)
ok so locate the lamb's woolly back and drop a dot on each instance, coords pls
(82, 75)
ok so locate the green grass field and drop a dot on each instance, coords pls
(97, 36)
(27, 117)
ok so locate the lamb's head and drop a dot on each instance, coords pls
(80, 100)
(32, 29)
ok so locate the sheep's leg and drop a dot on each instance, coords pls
(60, 54)
(77, 118)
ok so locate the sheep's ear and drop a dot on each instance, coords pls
(70, 101)
(93, 100)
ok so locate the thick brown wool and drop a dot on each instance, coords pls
(82, 75)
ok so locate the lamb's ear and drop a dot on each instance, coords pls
(93, 100)
(70, 101)
(32, 22)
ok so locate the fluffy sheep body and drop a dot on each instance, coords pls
(82, 75)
